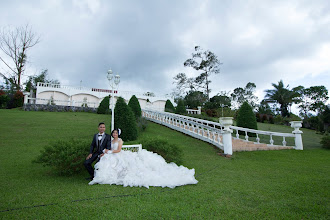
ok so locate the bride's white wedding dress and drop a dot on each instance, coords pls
(142, 168)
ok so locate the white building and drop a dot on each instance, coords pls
(56, 94)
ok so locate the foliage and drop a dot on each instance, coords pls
(312, 99)
(220, 100)
(283, 96)
(194, 99)
(246, 118)
(3, 99)
(65, 157)
(264, 108)
(135, 106)
(18, 99)
(278, 119)
(241, 95)
(170, 152)
(31, 83)
(325, 142)
(169, 106)
(205, 61)
(180, 109)
(104, 106)
(125, 120)
(142, 123)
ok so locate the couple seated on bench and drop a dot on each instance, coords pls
(128, 168)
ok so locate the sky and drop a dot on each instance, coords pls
(147, 41)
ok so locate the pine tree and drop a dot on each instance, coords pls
(104, 106)
(125, 120)
(169, 106)
(246, 118)
(135, 106)
(180, 109)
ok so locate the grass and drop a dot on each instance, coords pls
(286, 184)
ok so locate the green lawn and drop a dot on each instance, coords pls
(285, 184)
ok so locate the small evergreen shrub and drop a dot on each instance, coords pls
(104, 106)
(264, 118)
(169, 106)
(180, 109)
(65, 157)
(170, 152)
(135, 106)
(125, 120)
(246, 118)
(325, 141)
(271, 119)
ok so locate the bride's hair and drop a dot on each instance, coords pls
(118, 131)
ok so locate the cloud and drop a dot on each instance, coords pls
(146, 42)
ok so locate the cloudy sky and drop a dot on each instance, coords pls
(147, 41)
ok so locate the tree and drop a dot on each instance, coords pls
(169, 106)
(246, 118)
(264, 108)
(283, 96)
(31, 83)
(204, 61)
(312, 99)
(15, 44)
(135, 106)
(125, 120)
(194, 99)
(180, 109)
(241, 95)
(104, 106)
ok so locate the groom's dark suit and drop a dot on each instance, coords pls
(96, 150)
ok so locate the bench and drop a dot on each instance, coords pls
(133, 147)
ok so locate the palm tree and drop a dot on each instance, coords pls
(281, 95)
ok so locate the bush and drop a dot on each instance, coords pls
(246, 118)
(325, 141)
(104, 106)
(180, 109)
(258, 118)
(142, 124)
(65, 157)
(271, 119)
(3, 99)
(18, 99)
(125, 120)
(264, 118)
(169, 106)
(170, 152)
(135, 106)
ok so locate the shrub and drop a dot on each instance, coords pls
(246, 118)
(258, 117)
(180, 109)
(65, 157)
(325, 141)
(3, 99)
(271, 119)
(169, 106)
(18, 99)
(211, 112)
(142, 123)
(125, 120)
(170, 152)
(135, 106)
(104, 106)
(264, 118)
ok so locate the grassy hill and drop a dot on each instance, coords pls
(286, 184)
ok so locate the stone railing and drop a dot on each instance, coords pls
(194, 111)
(28, 100)
(220, 134)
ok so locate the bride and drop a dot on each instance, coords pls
(142, 168)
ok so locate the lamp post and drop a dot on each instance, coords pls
(113, 81)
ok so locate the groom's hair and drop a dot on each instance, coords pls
(101, 123)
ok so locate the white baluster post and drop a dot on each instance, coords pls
(199, 110)
(297, 133)
(227, 140)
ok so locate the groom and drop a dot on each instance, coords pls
(100, 142)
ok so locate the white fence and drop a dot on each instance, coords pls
(219, 134)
